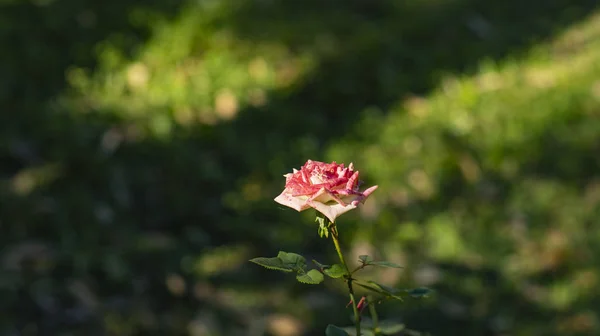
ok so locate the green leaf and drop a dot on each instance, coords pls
(363, 332)
(384, 264)
(335, 271)
(335, 331)
(272, 264)
(390, 327)
(421, 292)
(388, 289)
(379, 288)
(292, 260)
(368, 285)
(312, 277)
(284, 261)
(365, 259)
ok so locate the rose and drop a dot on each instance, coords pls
(329, 188)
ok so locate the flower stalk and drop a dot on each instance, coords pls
(336, 243)
(332, 190)
(374, 316)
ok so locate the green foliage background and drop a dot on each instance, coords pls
(142, 143)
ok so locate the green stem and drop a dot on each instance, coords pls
(336, 242)
(374, 316)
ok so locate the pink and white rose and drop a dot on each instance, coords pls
(330, 188)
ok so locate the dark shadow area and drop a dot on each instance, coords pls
(108, 233)
(43, 39)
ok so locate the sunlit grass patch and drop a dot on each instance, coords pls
(487, 155)
(190, 71)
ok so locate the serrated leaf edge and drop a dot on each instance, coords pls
(287, 270)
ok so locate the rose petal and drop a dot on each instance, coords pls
(333, 210)
(296, 203)
(369, 191)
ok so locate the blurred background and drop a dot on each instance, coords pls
(142, 143)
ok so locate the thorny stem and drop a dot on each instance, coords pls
(374, 316)
(334, 236)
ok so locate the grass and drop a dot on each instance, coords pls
(155, 159)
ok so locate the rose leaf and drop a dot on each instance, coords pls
(312, 277)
